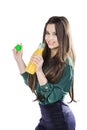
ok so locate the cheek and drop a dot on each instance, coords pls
(58, 44)
(56, 39)
(46, 39)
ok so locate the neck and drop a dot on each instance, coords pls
(53, 52)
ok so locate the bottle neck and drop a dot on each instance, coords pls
(41, 45)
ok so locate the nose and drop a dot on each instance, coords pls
(50, 37)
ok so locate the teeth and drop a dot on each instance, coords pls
(50, 42)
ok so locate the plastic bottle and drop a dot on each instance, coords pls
(31, 68)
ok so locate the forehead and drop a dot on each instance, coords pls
(50, 27)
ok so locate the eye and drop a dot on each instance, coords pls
(54, 33)
(47, 33)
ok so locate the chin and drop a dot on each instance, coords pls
(52, 47)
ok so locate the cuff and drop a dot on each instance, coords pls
(25, 74)
(46, 89)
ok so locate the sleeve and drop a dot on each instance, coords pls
(25, 77)
(55, 92)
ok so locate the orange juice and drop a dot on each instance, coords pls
(31, 68)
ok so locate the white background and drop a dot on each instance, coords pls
(23, 21)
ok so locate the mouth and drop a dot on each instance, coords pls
(50, 43)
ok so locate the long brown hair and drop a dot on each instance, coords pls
(65, 49)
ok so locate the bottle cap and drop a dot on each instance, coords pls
(18, 47)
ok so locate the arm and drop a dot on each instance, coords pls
(19, 59)
(21, 65)
(25, 77)
(41, 78)
(54, 92)
(38, 61)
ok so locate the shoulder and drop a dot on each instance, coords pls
(69, 61)
(69, 70)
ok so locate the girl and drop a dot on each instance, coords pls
(54, 75)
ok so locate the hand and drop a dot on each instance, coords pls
(18, 54)
(38, 61)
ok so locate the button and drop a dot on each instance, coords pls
(46, 87)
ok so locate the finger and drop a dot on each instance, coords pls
(34, 62)
(33, 59)
(14, 50)
(21, 45)
(38, 57)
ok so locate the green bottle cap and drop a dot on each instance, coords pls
(18, 47)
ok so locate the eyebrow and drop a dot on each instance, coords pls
(49, 32)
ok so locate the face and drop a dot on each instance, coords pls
(51, 37)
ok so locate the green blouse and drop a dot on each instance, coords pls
(57, 91)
